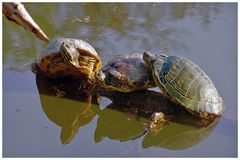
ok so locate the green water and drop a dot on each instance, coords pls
(37, 123)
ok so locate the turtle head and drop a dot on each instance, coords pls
(70, 54)
(111, 79)
(154, 61)
(101, 78)
(149, 59)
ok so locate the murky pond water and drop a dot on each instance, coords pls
(37, 123)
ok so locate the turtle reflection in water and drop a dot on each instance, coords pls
(72, 110)
(132, 111)
(67, 57)
(186, 84)
(177, 136)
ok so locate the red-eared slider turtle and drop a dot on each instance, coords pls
(186, 84)
(126, 73)
(67, 57)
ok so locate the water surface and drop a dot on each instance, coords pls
(36, 123)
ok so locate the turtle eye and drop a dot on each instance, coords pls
(152, 61)
(113, 65)
(118, 68)
(162, 56)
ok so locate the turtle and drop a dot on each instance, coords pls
(68, 57)
(186, 84)
(126, 73)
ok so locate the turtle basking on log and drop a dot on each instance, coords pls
(67, 57)
(126, 73)
(186, 84)
(181, 80)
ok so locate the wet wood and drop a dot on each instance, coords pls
(16, 12)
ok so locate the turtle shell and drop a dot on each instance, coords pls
(126, 73)
(52, 64)
(187, 84)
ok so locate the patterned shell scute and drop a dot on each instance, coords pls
(187, 84)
